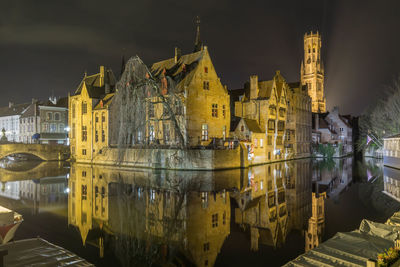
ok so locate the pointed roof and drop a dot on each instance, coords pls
(95, 84)
(197, 42)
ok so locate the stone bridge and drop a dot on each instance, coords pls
(44, 152)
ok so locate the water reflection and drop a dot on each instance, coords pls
(147, 217)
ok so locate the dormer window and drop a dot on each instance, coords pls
(205, 69)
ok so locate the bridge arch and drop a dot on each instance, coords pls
(44, 152)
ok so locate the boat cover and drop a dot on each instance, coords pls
(351, 248)
(39, 252)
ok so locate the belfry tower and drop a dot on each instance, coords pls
(312, 71)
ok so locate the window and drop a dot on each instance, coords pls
(166, 131)
(178, 108)
(53, 127)
(204, 132)
(83, 152)
(269, 155)
(73, 111)
(103, 136)
(151, 133)
(205, 69)
(242, 128)
(206, 246)
(57, 116)
(83, 173)
(281, 125)
(319, 86)
(49, 116)
(206, 85)
(255, 142)
(61, 127)
(84, 196)
(271, 125)
(214, 110)
(223, 111)
(45, 127)
(279, 140)
(96, 118)
(84, 133)
(151, 110)
(261, 143)
(96, 136)
(73, 130)
(103, 117)
(282, 112)
(214, 220)
(84, 108)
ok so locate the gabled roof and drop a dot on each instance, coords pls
(265, 88)
(105, 102)
(252, 125)
(15, 109)
(182, 70)
(95, 86)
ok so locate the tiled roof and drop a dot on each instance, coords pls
(182, 71)
(13, 110)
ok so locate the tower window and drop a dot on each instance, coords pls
(206, 85)
(205, 69)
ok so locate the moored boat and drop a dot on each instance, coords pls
(9, 223)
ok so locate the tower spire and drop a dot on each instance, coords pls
(197, 42)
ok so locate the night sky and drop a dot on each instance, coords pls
(46, 46)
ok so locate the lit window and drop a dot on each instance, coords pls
(204, 132)
(255, 142)
(261, 142)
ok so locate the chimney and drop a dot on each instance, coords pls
(177, 54)
(10, 104)
(101, 75)
(253, 87)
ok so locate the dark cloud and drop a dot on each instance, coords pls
(47, 45)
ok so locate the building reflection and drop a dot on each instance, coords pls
(391, 183)
(333, 175)
(275, 200)
(150, 217)
(316, 223)
(40, 187)
(160, 217)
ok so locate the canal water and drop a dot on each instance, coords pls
(261, 216)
